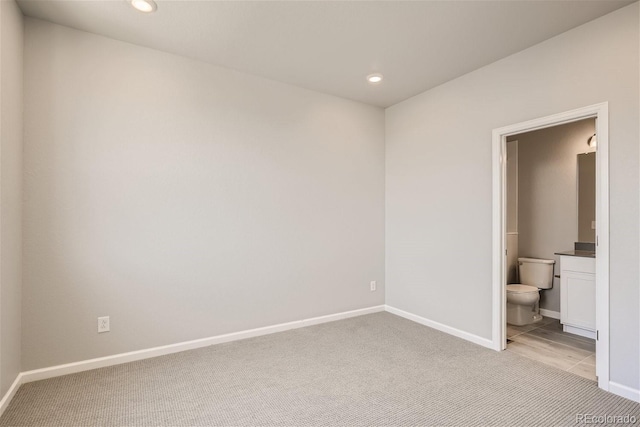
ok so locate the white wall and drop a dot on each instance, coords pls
(185, 200)
(438, 180)
(11, 55)
(548, 197)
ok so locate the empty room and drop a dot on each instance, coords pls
(301, 213)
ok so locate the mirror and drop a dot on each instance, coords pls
(587, 197)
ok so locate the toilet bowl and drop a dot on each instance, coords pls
(523, 299)
(522, 305)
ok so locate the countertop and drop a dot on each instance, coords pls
(584, 254)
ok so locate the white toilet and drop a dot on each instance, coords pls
(523, 298)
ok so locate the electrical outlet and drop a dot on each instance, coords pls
(373, 285)
(103, 324)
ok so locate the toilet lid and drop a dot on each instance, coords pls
(521, 289)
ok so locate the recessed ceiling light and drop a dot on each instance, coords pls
(144, 5)
(374, 78)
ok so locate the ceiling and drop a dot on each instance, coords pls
(330, 46)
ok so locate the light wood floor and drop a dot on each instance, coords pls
(546, 342)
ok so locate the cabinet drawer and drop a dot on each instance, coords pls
(580, 264)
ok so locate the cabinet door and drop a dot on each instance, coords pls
(578, 299)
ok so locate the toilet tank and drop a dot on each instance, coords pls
(536, 272)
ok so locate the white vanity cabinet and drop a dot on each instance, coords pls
(578, 295)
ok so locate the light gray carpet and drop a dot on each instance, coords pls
(371, 370)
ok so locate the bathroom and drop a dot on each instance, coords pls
(551, 212)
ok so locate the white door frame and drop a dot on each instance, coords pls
(499, 331)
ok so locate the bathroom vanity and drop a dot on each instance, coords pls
(578, 292)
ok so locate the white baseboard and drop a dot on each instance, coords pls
(116, 359)
(442, 327)
(624, 391)
(10, 393)
(550, 313)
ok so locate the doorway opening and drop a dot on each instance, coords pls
(503, 261)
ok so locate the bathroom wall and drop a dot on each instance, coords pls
(186, 200)
(11, 84)
(439, 176)
(548, 198)
(512, 212)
